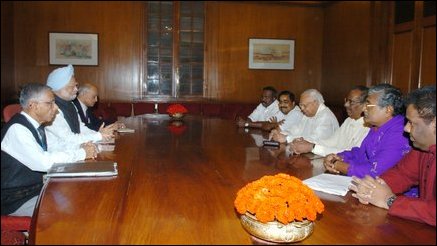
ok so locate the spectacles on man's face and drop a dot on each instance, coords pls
(50, 103)
(305, 105)
(368, 105)
(351, 102)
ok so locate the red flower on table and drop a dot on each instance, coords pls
(176, 108)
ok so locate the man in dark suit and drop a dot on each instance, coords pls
(86, 98)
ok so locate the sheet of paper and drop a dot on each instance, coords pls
(329, 183)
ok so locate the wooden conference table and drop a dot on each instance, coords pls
(178, 187)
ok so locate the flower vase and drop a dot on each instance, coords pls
(276, 231)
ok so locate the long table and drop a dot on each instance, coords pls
(177, 183)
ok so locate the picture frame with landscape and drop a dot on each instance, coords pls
(271, 54)
(73, 48)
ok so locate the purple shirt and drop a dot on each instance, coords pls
(380, 150)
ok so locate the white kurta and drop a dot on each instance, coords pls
(349, 135)
(61, 130)
(262, 113)
(291, 119)
(322, 125)
(20, 143)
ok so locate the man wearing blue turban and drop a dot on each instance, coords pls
(66, 124)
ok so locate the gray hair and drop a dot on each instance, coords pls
(389, 96)
(83, 89)
(32, 91)
(313, 93)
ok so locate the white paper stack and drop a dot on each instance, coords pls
(329, 183)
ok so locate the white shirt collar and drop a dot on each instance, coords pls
(31, 120)
(83, 106)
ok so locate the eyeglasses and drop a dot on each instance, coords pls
(351, 102)
(302, 105)
(51, 103)
(370, 105)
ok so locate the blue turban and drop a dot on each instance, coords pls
(59, 77)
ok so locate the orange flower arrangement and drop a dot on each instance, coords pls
(176, 108)
(281, 197)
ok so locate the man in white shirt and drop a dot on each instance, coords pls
(264, 112)
(66, 125)
(24, 151)
(289, 115)
(349, 135)
(317, 123)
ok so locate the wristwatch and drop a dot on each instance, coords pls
(390, 200)
(246, 124)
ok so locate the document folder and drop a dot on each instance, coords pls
(83, 169)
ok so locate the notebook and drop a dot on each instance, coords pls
(126, 130)
(83, 169)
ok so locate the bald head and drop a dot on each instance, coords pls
(88, 94)
(310, 101)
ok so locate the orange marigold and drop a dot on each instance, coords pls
(281, 197)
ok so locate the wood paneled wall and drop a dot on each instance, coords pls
(346, 48)
(118, 25)
(229, 27)
(338, 45)
(7, 52)
(412, 45)
(428, 53)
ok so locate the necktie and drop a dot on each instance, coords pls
(87, 115)
(42, 134)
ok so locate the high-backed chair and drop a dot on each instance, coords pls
(122, 108)
(12, 229)
(230, 110)
(211, 109)
(10, 110)
(246, 109)
(144, 108)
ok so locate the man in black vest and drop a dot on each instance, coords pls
(66, 124)
(26, 155)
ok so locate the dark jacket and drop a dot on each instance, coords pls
(90, 120)
(70, 113)
(19, 183)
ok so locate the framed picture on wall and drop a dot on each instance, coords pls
(73, 48)
(271, 54)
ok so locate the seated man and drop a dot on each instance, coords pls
(385, 144)
(318, 121)
(350, 134)
(87, 96)
(24, 151)
(66, 124)
(417, 167)
(288, 116)
(264, 112)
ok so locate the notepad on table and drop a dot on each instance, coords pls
(125, 130)
(329, 183)
(83, 169)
